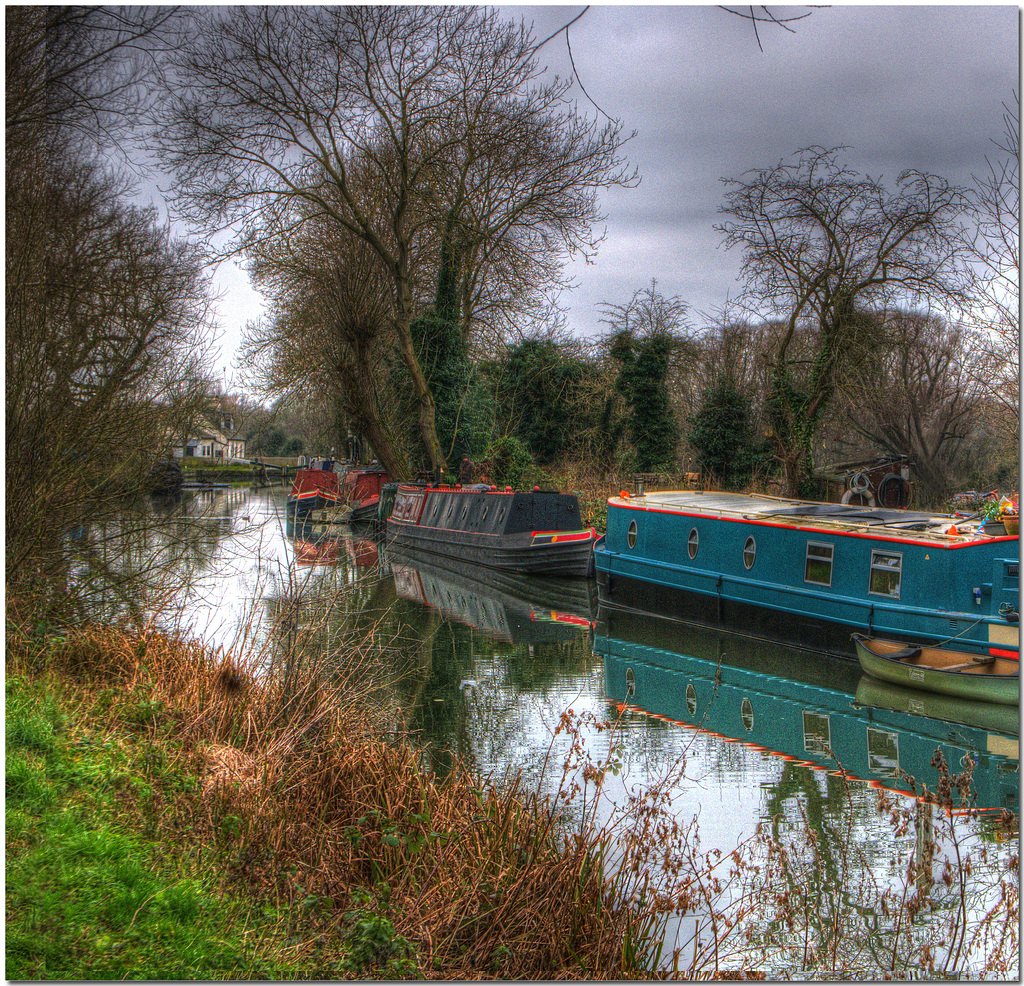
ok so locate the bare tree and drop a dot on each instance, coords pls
(996, 255)
(823, 245)
(918, 393)
(275, 105)
(84, 74)
(329, 336)
(104, 328)
(105, 310)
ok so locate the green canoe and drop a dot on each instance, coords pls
(934, 669)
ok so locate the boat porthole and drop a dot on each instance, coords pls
(749, 553)
(691, 543)
(747, 715)
(691, 700)
(630, 683)
(483, 514)
(631, 534)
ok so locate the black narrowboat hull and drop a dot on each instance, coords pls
(507, 553)
(533, 533)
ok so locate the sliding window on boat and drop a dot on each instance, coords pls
(818, 568)
(886, 571)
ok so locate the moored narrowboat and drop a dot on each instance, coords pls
(315, 487)
(811, 573)
(537, 532)
(360, 494)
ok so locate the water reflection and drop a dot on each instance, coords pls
(483, 663)
(811, 712)
(513, 608)
(482, 666)
(138, 561)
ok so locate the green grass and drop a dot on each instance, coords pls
(89, 896)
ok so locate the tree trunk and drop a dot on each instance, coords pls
(428, 427)
(374, 428)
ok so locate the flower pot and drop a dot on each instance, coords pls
(1012, 524)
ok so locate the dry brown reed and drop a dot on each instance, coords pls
(304, 798)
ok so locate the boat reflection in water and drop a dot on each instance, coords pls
(815, 711)
(518, 609)
(319, 544)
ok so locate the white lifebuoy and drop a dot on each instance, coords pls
(861, 496)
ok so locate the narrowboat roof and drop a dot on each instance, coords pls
(802, 513)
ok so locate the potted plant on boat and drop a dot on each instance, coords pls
(1009, 514)
(1002, 512)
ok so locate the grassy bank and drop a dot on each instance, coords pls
(170, 818)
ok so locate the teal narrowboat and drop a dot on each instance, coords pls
(809, 574)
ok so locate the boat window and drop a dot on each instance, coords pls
(817, 732)
(691, 700)
(692, 542)
(630, 683)
(483, 514)
(631, 534)
(818, 567)
(749, 553)
(883, 752)
(886, 570)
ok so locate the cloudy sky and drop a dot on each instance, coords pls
(902, 87)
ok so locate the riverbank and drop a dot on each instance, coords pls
(174, 814)
(169, 817)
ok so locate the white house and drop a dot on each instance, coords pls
(211, 437)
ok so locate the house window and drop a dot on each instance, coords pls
(886, 571)
(749, 553)
(818, 567)
(692, 543)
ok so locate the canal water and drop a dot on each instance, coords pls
(744, 744)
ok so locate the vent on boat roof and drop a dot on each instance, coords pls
(1013, 571)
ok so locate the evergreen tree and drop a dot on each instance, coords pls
(643, 384)
(720, 435)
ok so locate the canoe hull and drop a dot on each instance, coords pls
(981, 683)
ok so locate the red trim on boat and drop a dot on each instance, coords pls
(999, 652)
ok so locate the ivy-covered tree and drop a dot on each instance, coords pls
(539, 393)
(643, 384)
(461, 401)
(645, 333)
